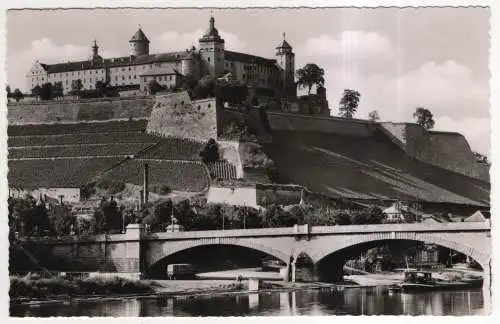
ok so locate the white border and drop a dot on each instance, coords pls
(495, 154)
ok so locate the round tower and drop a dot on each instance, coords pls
(139, 44)
(212, 50)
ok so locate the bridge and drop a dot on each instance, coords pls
(325, 248)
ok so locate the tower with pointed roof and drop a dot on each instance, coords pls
(139, 44)
(286, 61)
(96, 58)
(212, 50)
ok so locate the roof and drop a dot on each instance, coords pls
(139, 36)
(247, 58)
(367, 168)
(478, 216)
(284, 44)
(115, 62)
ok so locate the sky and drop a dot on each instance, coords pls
(397, 58)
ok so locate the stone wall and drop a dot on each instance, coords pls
(230, 151)
(332, 125)
(447, 150)
(96, 253)
(44, 112)
(174, 114)
(233, 196)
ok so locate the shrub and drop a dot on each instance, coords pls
(111, 186)
(161, 189)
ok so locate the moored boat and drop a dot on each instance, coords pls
(423, 280)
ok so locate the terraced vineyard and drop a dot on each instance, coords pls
(174, 149)
(75, 128)
(178, 175)
(59, 172)
(97, 138)
(106, 149)
(367, 168)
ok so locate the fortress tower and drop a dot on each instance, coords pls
(212, 50)
(96, 58)
(286, 60)
(139, 44)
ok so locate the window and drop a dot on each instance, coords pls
(209, 105)
(209, 59)
(129, 68)
(116, 78)
(123, 69)
(170, 78)
(129, 77)
(145, 79)
(123, 77)
(135, 76)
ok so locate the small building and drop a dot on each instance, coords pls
(478, 216)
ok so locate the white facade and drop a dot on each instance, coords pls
(233, 196)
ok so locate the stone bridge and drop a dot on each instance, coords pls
(136, 251)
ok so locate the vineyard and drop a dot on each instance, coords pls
(336, 166)
(174, 149)
(57, 173)
(75, 128)
(177, 175)
(97, 138)
(114, 149)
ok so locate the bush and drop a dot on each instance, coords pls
(161, 189)
(210, 152)
(111, 186)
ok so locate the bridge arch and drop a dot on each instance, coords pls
(160, 251)
(464, 245)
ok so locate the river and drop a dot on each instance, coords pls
(348, 301)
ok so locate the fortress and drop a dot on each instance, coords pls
(57, 147)
(275, 76)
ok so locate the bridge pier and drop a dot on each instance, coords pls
(134, 250)
(487, 292)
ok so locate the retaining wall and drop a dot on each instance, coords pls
(44, 112)
(174, 114)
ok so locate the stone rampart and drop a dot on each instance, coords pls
(175, 115)
(44, 112)
(447, 150)
(308, 123)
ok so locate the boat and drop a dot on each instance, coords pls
(422, 280)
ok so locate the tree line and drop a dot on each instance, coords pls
(31, 217)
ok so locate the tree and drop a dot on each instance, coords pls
(76, 86)
(480, 158)
(349, 103)
(61, 219)
(57, 90)
(101, 88)
(17, 95)
(374, 116)
(108, 217)
(8, 91)
(36, 91)
(424, 118)
(310, 75)
(154, 87)
(46, 91)
(210, 152)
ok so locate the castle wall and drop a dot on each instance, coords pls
(43, 112)
(332, 125)
(447, 150)
(174, 114)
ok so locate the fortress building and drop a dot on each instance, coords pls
(273, 77)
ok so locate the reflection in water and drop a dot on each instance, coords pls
(355, 301)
